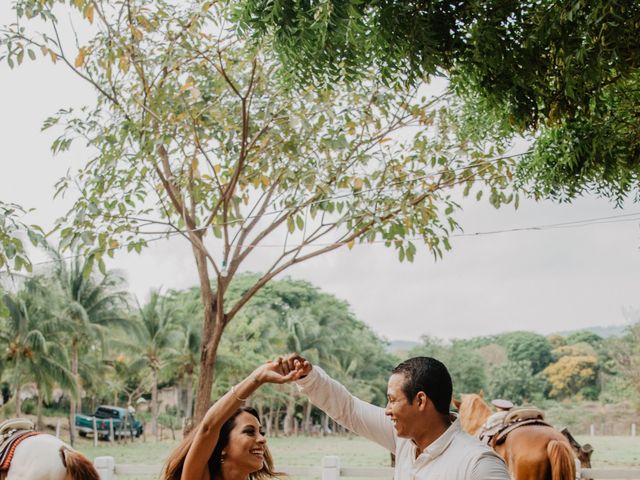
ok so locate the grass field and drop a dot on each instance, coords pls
(353, 451)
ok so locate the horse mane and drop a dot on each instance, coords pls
(78, 466)
(473, 412)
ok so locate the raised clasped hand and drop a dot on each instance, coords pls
(282, 370)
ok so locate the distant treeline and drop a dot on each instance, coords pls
(529, 367)
(76, 338)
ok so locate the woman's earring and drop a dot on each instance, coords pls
(222, 457)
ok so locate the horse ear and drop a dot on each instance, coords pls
(481, 393)
(456, 403)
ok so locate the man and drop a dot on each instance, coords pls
(415, 425)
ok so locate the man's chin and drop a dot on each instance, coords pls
(400, 433)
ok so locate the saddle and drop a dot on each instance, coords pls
(12, 433)
(499, 425)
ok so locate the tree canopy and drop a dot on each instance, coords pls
(12, 229)
(564, 71)
(194, 135)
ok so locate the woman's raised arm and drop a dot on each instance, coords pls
(208, 430)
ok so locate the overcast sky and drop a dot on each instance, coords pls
(546, 280)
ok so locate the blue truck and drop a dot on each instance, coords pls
(124, 423)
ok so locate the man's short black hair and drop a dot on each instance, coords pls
(428, 375)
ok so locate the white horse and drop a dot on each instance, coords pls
(45, 457)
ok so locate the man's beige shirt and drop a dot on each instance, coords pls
(455, 455)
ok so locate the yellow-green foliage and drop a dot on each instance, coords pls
(575, 350)
(570, 374)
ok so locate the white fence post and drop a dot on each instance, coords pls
(95, 433)
(106, 467)
(633, 429)
(592, 430)
(331, 467)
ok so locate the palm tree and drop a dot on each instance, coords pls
(157, 333)
(185, 364)
(92, 304)
(51, 369)
(31, 342)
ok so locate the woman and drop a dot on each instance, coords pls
(229, 443)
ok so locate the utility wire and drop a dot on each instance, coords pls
(622, 218)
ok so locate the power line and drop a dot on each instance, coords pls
(622, 218)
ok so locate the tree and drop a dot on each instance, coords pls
(573, 375)
(627, 357)
(11, 246)
(185, 365)
(585, 336)
(528, 346)
(91, 304)
(196, 136)
(565, 72)
(30, 342)
(156, 335)
(129, 376)
(464, 362)
(516, 381)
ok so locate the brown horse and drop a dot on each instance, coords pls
(531, 452)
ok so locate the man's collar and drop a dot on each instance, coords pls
(440, 444)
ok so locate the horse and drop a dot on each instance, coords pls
(531, 452)
(40, 456)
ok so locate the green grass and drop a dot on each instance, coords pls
(613, 451)
(353, 451)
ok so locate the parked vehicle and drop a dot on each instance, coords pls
(124, 423)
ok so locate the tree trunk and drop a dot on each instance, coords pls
(289, 417)
(72, 399)
(306, 428)
(211, 335)
(17, 389)
(276, 422)
(212, 328)
(269, 420)
(154, 404)
(39, 422)
(325, 424)
(260, 410)
(189, 386)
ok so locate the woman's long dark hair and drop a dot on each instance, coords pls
(175, 463)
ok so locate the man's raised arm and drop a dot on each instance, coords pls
(335, 400)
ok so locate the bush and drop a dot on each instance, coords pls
(516, 381)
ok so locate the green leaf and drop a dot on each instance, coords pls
(88, 267)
